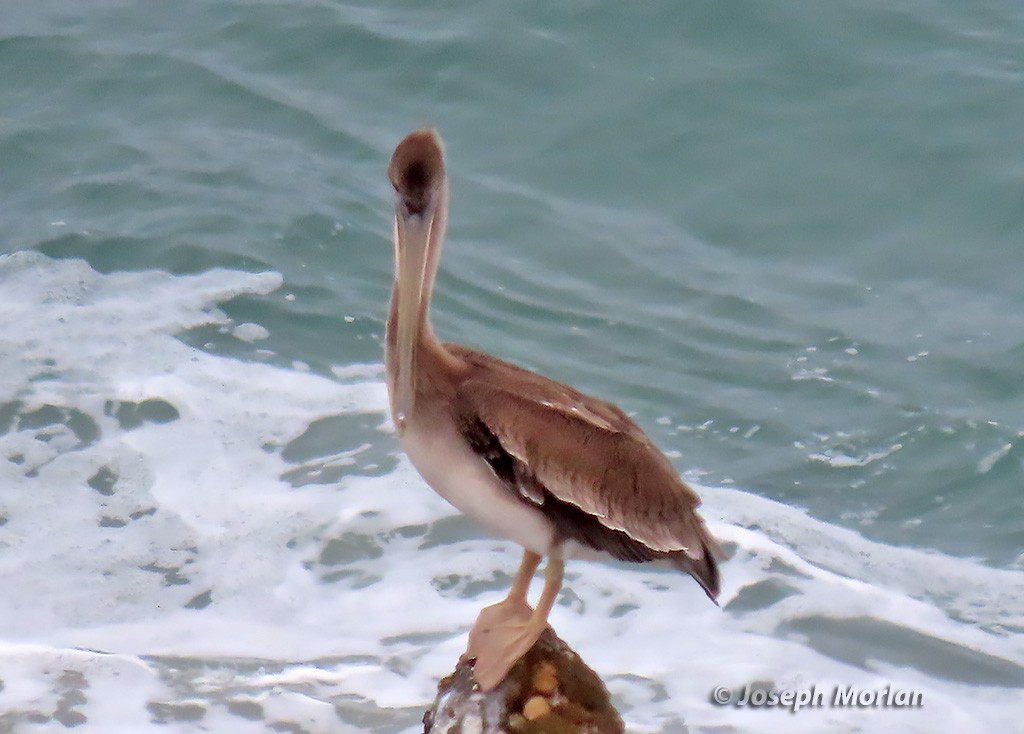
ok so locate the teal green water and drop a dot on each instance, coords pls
(669, 206)
(787, 236)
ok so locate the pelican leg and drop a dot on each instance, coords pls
(505, 631)
(521, 584)
(513, 609)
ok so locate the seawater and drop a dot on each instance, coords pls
(785, 238)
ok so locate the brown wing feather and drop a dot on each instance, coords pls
(585, 463)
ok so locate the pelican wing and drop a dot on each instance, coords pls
(585, 465)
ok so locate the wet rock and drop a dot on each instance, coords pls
(550, 691)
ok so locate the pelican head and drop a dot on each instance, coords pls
(421, 217)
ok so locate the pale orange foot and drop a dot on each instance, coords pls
(500, 636)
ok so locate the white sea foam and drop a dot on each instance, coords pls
(250, 332)
(173, 559)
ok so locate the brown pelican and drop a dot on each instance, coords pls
(560, 473)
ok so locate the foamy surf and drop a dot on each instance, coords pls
(181, 553)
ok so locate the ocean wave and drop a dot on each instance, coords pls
(191, 538)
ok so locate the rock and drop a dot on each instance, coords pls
(550, 691)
